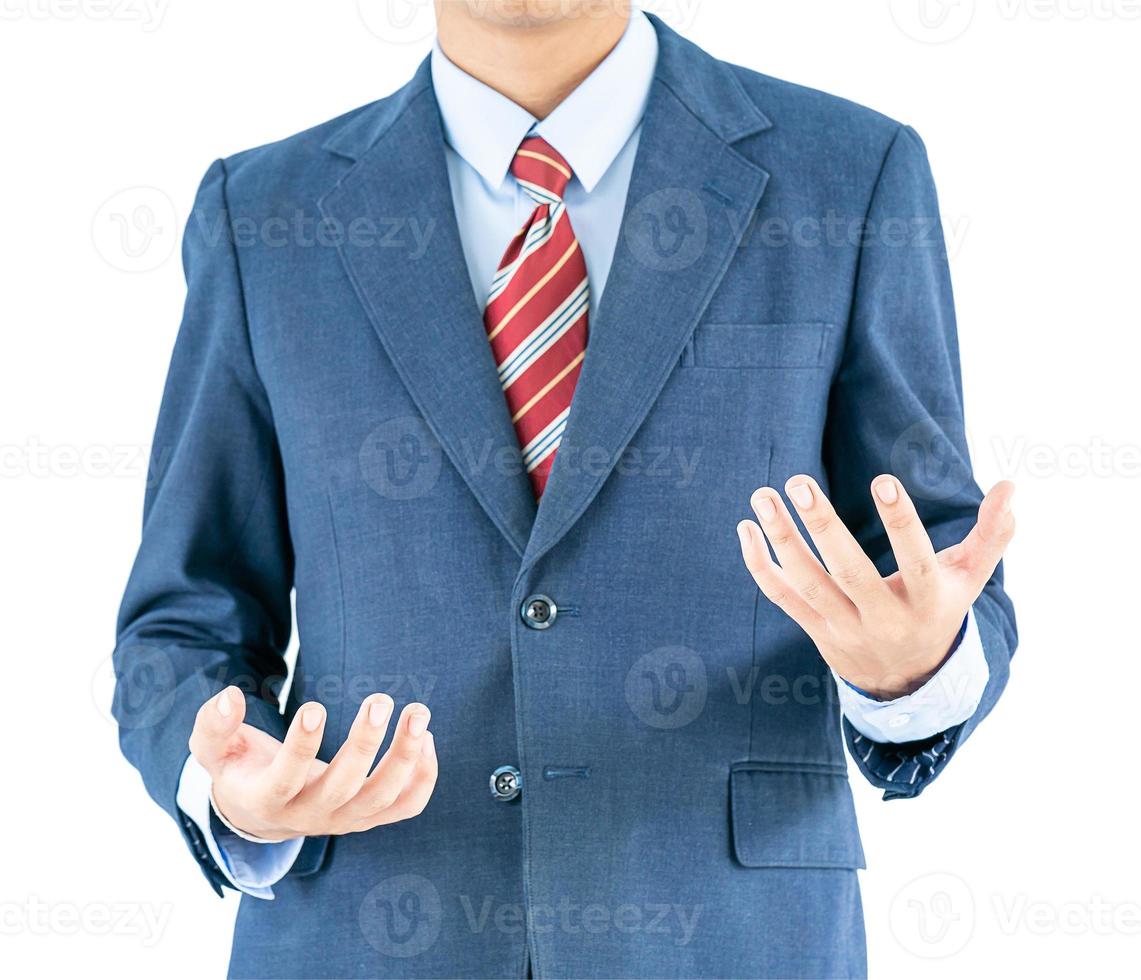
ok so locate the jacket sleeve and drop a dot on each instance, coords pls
(207, 602)
(897, 406)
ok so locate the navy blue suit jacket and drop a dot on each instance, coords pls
(332, 423)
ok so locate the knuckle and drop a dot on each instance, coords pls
(1008, 528)
(781, 538)
(363, 748)
(899, 522)
(922, 567)
(810, 591)
(818, 523)
(297, 753)
(849, 575)
(276, 792)
(777, 596)
(407, 751)
(381, 799)
(335, 796)
(308, 819)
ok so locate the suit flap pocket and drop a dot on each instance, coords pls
(760, 345)
(798, 815)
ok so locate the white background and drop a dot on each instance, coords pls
(1023, 857)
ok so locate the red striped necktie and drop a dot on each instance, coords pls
(536, 313)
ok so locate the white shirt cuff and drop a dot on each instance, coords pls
(949, 698)
(248, 866)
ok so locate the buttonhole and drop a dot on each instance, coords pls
(566, 772)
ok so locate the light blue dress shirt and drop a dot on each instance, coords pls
(596, 129)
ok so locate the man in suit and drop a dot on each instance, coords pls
(487, 372)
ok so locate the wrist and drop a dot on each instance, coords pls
(901, 679)
(260, 836)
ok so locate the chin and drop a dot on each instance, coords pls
(539, 13)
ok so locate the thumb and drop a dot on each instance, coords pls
(983, 548)
(216, 722)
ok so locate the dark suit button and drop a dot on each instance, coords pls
(506, 783)
(539, 612)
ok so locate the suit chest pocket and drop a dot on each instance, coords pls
(758, 345)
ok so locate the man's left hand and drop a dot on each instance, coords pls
(887, 636)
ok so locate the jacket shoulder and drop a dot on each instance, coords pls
(809, 119)
(304, 160)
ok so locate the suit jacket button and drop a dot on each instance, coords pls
(506, 783)
(539, 612)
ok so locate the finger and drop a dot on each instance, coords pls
(216, 722)
(416, 794)
(771, 579)
(391, 774)
(914, 553)
(801, 567)
(845, 560)
(286, 775)
(350, 766)
(981, 550)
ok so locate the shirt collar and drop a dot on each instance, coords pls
(589, 127)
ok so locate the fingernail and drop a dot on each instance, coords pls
(418, 723)
(801, 495)
(225, 708)
(887, 492)
(744, 533)
(764, 507)
(311, 718)
(378, 713)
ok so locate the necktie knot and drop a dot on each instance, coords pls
(541, 170)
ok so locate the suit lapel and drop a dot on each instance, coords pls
(690, 199)
(418, 295)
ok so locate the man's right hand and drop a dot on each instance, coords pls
(280, 790)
